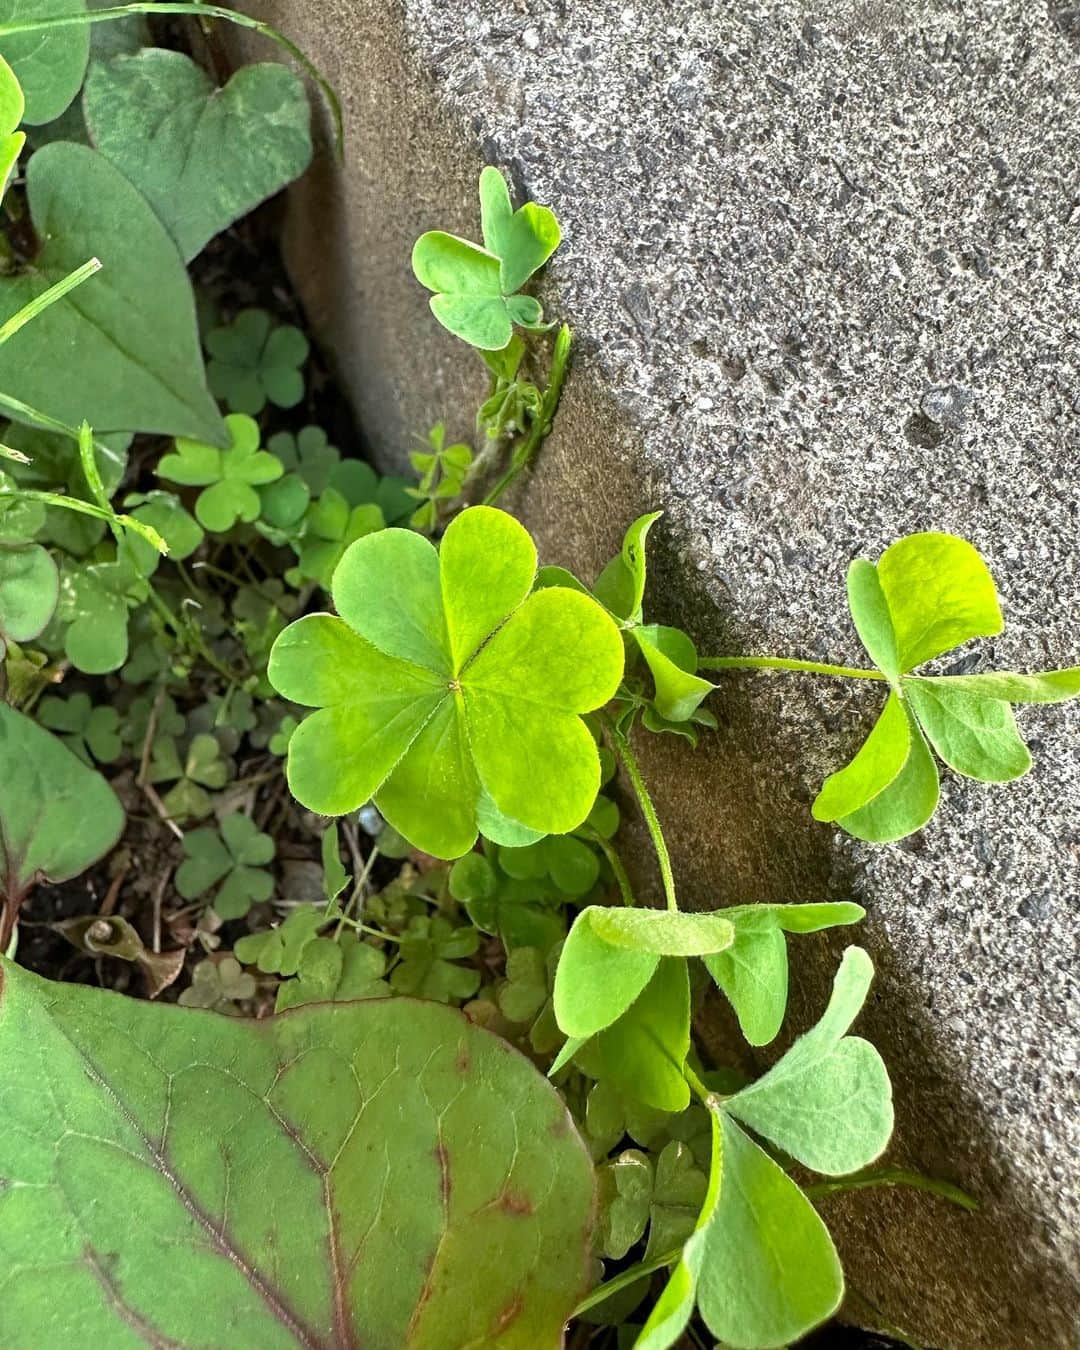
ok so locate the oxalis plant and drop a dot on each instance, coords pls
(373, 1166)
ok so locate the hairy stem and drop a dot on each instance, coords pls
(624, 1278)
(626, 891)
(622, 749)
(541, 424)
(787, 663)
(895, 1176)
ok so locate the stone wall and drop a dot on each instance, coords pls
(823, 267)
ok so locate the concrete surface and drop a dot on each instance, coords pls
(823, 265)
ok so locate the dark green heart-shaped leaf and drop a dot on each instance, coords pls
(133, 325)
(201, 156)
(49, 64)
(56, 815)
(373, 1173)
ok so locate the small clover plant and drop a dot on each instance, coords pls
(477, 290)
(253, 361)
(229, 478)
(92, 733)
(449, 692)
(232, 858)
(927, 594)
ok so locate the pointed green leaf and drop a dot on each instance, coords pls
(877, 763)
(620, 587)
(671, 659)
(906, 804)
(203, 157)
(372, 1173)
(133, 325)
(753, 973)
(974, 735)
(940, 593)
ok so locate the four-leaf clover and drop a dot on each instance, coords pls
(229, 477)
(234, 856)
(447, 690)
(476, 289)
(927, 594)
(252, 360)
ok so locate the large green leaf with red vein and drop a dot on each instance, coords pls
(380, 1173)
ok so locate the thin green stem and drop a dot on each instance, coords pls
(42, 302)
(189, 634)
(541, 423)
(787, 663)
(608, 849)
(895, 1176)
(697, 1086)
(604, 1291)
(203, 12)
(77, 504)
(622, 748)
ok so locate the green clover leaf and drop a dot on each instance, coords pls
(232, 858)
(927, 594)
(624, 1193)
(218, 985)
(95, 601)
(29, 589)
(92, 733)
(612, 954)
(447, 691)
(252, 361)
(760, 1263)
(429, 948)
(475, 289)
(337, 971)
(307, 453)
(504, 905)
(164, 512)
(330, 526)
(229, 477)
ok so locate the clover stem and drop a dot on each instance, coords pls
(895, 1176)
(622, 748)
(698, 1087)
(787, 663)
(541, 423)
(189, 634)
(624, 1278)
(202, 11)
(608, 849)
